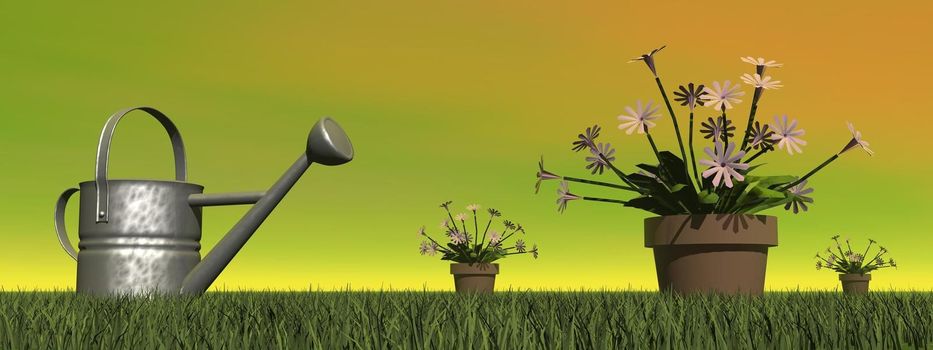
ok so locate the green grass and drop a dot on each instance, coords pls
(541, 320)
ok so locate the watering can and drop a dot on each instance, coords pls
(143, 236)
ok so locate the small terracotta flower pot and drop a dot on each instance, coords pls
(854, 283)
(474, 278)
(715, 253)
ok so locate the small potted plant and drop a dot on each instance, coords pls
(472, 254)
(706, 235)
(853, 267)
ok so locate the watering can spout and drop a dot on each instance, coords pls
(327, 144)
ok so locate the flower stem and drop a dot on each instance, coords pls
(599, 183)
(662, 168)
(439, 246)
(804, 178)
(618, 172)
(725, 128)
(680, 141)
(475, 230)
(668, 189)
(760, 152)
(487, 228)
(751, 116)
(877, 255)
(865, 254)
(604, 200)
(654, 147)
(452, 221)
(842, 255)
(507, 236)
(693, 159)
(721, 203)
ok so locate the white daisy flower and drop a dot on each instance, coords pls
(787, 135)
(544, 175)
(473, 207)
(723, 164)
(603, 154)
(458, 238)
(564, 196)
(855, 258)
(429, 248)
(718, 95)
(520, 246)
(856, 141)
(757, 81)
(637, 119)
(799, 197)
(761, 62)
(494, 238)
(460, 217)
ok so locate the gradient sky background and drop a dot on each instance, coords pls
(453, 101)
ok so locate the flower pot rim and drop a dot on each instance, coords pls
(710, 214)
(704, 229)
(855, 277)
(474, 268)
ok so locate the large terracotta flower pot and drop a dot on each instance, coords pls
(715, 253)
(474, 278)
(854, 283)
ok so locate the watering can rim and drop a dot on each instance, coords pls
(143, 180)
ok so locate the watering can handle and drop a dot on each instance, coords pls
(60, 222)
(103, 153)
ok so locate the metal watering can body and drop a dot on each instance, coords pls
(143, 236)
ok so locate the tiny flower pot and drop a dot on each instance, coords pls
(474, 278)
(854, 283)
(715, 253)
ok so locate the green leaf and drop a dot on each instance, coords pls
(745, 192)
(730, 195)
(651, 169)
(650, 204)
(672, 193)
(750, 169)
(655, 189)
(764, 192)
(770, 181)
(767, 204)
(675, 172)
(460, 253)
(708, 197)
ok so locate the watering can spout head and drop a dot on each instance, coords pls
(328, 144)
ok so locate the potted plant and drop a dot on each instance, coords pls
(854, 270)
(472, 254)
(707, 235)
